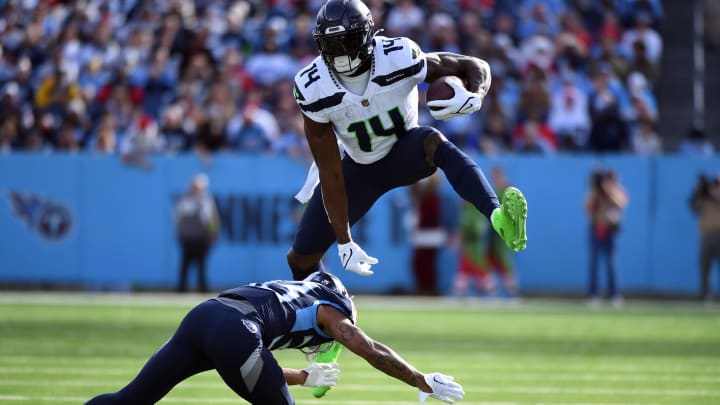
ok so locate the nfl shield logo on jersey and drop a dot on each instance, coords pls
(250, 325)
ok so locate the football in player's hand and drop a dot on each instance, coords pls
(439, 90)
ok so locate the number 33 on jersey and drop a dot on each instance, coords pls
(369, 124)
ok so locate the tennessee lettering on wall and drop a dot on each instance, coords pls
(273, 219)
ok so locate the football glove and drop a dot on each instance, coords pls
(463, 102)
(444, 388)
(321, 375)
(354, 259)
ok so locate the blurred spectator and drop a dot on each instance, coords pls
(427, 235)
(535, 98)
(569, 115)
(607, 54)
(705, 203)
(57, 90)
(405, 19)
(609, 132)
(645, 140)
(642, 105)
(537, 53)
(67, 137)
(540, 17)
(640, 62)
(173, 130)
(211, 136)
(198, 226)
(253, 128)
(271, 64)
(604, 206)
(140, 139)
(483, 253)
(473, 259)
(696, 144)
(573, 42)
(631, 11)
(643, 33)
(496, 137)
(157, 84)
(9, 134)
(533, 136)
(291, 139)
(443, 34)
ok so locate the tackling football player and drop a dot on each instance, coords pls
(236, 332)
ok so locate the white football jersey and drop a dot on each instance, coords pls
(368, 125)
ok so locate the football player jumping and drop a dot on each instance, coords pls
(362, 91)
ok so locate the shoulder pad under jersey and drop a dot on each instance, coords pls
(397, 59)
(315, 91)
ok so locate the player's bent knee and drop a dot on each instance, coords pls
(430, 144)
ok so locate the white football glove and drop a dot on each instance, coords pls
(355, 259)
(463, 102)
(444, 388)
(321, 375)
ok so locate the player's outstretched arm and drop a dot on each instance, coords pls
(324, 148)
(383, 358)
(340, 328)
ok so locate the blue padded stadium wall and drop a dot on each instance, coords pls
(112, 228)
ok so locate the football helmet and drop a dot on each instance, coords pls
(328, 280)
(344, 32)
(333, 283)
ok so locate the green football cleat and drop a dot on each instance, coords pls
(330, 356)
(509, 220)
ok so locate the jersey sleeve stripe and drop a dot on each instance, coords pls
(400, 74)
(323, 103)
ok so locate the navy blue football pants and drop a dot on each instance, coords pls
(212, 336)
(403, 166)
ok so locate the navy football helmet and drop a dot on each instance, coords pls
(328, 280)
(344, 32)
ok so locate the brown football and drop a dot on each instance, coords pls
(439, 90)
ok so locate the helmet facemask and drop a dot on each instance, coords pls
(344, 36)
(344, 52)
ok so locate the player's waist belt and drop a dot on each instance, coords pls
(239, 303)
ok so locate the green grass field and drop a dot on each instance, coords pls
(66, 348)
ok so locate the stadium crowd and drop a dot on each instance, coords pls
(133, 78)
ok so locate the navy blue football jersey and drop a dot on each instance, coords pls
(287, 311)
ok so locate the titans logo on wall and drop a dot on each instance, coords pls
(50, 219)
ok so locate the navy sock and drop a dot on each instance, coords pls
(466, 178)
